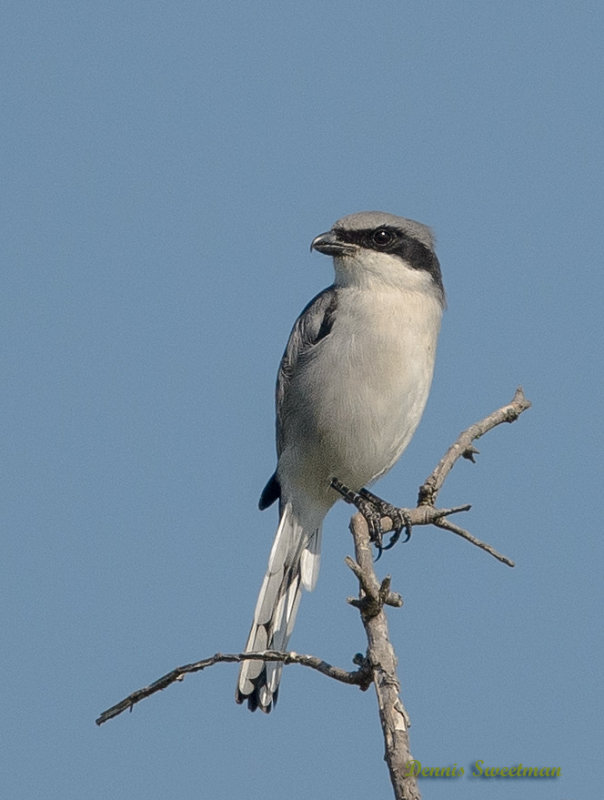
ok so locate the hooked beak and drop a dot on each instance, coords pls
(329, 244)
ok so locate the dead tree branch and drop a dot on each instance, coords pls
(425, 513)
(379, 666)
(463, 447)
(360, 677)
(382, 663)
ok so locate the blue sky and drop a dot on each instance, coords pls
(165, 168)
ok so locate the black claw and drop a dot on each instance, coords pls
(397, 535)
(373, 508)
(398, 517)
(373, 523)
(394, 539)
(400, 522)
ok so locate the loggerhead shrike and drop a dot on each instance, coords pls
(351, 388)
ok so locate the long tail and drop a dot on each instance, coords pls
(293, 565)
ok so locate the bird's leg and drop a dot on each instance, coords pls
(366, 507)
(373, 508)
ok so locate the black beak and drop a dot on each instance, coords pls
(329, 244)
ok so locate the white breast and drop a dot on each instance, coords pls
(364, 388)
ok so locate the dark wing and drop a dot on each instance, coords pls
(314, 323)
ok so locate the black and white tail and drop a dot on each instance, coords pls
(293, 565)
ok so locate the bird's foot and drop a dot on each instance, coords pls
(373, 508)
(398, 516)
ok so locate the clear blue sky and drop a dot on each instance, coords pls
(165, 167)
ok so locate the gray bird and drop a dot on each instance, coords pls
(351, 388)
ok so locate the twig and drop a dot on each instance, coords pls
(427, 515)
(360, 677)
(463, 448)
(425, 512)
(446, 525)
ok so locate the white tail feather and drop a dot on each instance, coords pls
(293, 565)
(310, 561)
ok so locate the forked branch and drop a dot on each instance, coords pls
(380, 663)
(425, 513)
(463, 447)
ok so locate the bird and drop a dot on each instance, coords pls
(351, 389)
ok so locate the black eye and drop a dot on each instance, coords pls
(382, 237)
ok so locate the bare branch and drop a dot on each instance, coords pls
(380, 653)
(449, 526)
(382, 663)
(360, 677)
(425, 513)
(463, 447)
